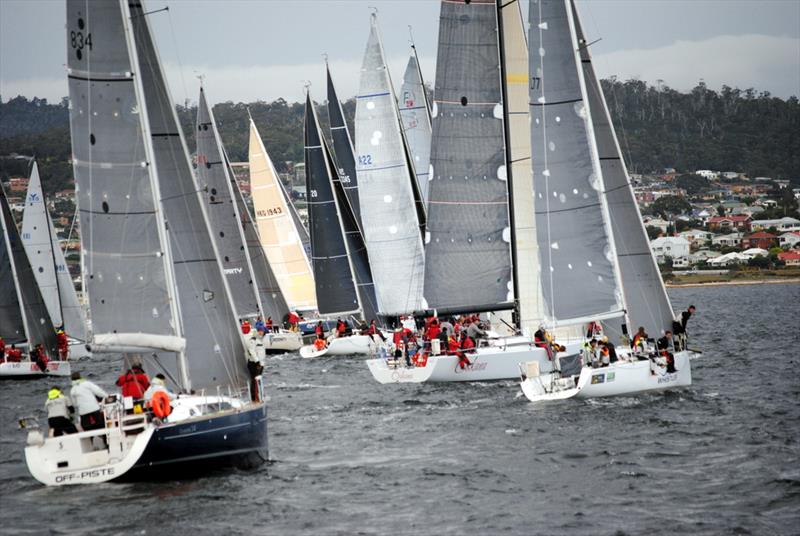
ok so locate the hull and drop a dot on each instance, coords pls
(618, 379)
(282, 342)
(350, 345)
(29, 369)
(487, 363)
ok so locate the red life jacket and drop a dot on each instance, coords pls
(467, 343)
(130, 385)
(293, 318)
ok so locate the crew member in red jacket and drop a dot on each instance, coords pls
(62, 343)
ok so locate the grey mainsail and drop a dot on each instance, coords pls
(415, 113)
(36, 321)
(579, 276)
(50, 268)
(218, 194)
(343, 148)
(468, 257)
(12, 324)
(385, 181)
(333, 276)
(646, 301)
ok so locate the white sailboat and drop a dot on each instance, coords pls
(50, 268)
(581, 155)
(156, 291)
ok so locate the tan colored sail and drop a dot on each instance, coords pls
(279, 236)
(515, 49)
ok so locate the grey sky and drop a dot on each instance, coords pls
(262, 49)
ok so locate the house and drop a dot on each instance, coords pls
(696, 237)
(728, 259)
(681, 262)
(730, 175)
(783, 183)
(760, 239)
(791, 258)
(703, 255)
(18, 184)
(789, 240)
(783, 225)
(731, 240)
(755, 252)
(669, 246)
(728, 223)
(657, 222)
(747, 211)
(707, 174)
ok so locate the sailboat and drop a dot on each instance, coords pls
(416, 115)
(601, 266)
(337, 247)
(51, 272)
(479, 237)
(24, 320)
(230, 222)
(151, 269)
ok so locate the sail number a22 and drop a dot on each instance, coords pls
(365, 160)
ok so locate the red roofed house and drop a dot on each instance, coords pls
(761, 239)
(729, 223)
(791, 258)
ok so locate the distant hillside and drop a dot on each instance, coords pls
(728, 130)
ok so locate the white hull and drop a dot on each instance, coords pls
(487, 363)
(282, 342)
(29, 369)
(618, 379)
(350, 345)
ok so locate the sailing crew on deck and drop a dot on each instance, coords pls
(680, 328)
(13, 354)
(664, 345)
(2, 348)
(612, 350)
(640, 340)
(84, 394)
(159, 383)
(62, 344)
(134, 382)
(475, 330)
(260, 325)
(39, 356)
(319, 330)
(59, 413)
(245, 327)
(292, 320)
(268, 325)
(341, 328)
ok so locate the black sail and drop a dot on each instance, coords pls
(335, 285)
(37, 320)
(343, 148)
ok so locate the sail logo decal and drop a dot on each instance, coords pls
(598, 378)
(232, 271)
(33, 197)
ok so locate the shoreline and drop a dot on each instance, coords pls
(788, 280)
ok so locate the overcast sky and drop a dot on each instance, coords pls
(263, 49)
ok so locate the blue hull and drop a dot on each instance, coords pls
(237, 439)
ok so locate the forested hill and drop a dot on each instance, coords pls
(658, 127)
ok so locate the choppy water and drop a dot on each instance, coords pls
(353, 457)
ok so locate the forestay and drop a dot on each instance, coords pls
(223, 214)
(579, 280)
(279, 234)
(646, 300)
(468, 256)
(388, 207)
(415, 113)
(343, 148)
(333, 277)
(50, 268)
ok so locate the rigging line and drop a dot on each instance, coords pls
(178, 55)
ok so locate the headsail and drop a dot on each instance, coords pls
(388, 207)
(343, 148)
(415, 113)
(646, 300)
(333, 276)
(50, 268)
(223, 213)
(35, 319)
(278, 232)
(579, 276)
(468, 257)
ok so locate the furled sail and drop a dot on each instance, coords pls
(388, 207)
(50, 268)
(343, 148)
(279, 234)
(468, 257)
(528, 288)
(333, 276)
(579, 276)
(415, 113)
(646, 301)
(218, 194)
(35, 319)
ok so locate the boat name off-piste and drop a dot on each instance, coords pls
(80, 475)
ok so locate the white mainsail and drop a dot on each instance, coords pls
(279, 235)
(50, 268)
(388, 212)
(415, 113)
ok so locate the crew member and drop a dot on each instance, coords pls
(640, 339)
(293, 319)
(59, 411)
(134, 382)
(2, 348)
(84, 394)
(612, 350)
(341, 327)
(268, 325)
(664, 345)
(466, 345)
(159, 383)
(245, 327)
(260, 325)
(319, 330)
(62, 343)
(13, 354)
(39, 356)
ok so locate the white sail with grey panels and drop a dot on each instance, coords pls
(124, 262)
(646, 301)
(579, 274)
(415, 113)
(50, 268)
(388, 208)
(279, 234)
(528, 288)
(218, 194)
(215, 354)
(468, 257)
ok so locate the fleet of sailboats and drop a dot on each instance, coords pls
(507, 193)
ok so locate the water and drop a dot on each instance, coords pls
(353, 457)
